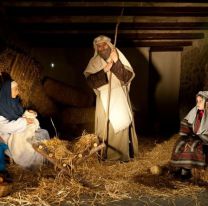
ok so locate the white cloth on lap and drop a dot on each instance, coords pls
(19, 136)
(20, 146)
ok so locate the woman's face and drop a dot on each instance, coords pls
(200, 102)
(14, 91)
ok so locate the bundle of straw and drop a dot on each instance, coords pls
(84, 143)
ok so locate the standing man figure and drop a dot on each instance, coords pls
(120, 137)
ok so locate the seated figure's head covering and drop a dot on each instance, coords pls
(203, 94)
(10, 108)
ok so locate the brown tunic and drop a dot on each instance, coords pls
(99, 79)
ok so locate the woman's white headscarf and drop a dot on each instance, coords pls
(191, 118)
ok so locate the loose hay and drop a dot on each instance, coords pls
(66, 155)
(84, 143)
(99, 182)
(63, 149)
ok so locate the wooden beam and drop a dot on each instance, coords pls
(165, 48)
(111, 26)
(161, 36)
(123, 35)
(107, 3)
(108, 19)
(87, 42)
(156, 43)
(102, 11)
(166, 26)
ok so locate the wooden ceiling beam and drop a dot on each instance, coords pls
(166, 48)
(171, 26)
(126, 35)
(108, 19)
(161, 43)
(115, 3)
(87, 42)
(102, 11)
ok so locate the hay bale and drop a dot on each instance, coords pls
(71, 131)
(7, 58)
(78, 115)
(42, 103)
(67, 95)
(76, 120)
(26, 71)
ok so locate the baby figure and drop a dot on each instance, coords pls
(30, 114)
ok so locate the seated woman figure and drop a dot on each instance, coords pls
(189, 151)
(19, 128)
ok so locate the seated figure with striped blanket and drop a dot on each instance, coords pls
(190, 150)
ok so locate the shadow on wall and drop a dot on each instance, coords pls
(146, 94)
(154, 78)
(164, 84)
(139, 60)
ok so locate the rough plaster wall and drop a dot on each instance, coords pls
(165, 68)
(168, 66)
(194, 74)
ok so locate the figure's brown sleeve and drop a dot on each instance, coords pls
(121, 73)
(97, 80)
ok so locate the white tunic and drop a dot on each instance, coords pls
(10, 127)
(19, 137)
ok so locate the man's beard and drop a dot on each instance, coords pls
(105, 53)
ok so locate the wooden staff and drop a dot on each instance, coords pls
(109, 89)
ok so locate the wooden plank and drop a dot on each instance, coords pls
(117, 3)
(84, 42)
(156, 43)
(161, 36)
(167, 26)
(108, 19)
(111, 26)
(101, 11)
(75, 34)
(165, 48)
